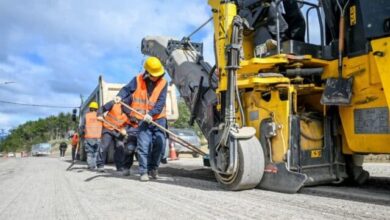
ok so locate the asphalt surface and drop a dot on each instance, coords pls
(41, 188)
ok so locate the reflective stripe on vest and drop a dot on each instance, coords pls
(93, 127)
(142, 103)
(116, 117)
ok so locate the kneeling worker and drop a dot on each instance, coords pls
(148, 93)
(91, 129)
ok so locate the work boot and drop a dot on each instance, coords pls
(100, 170)
(144, 177)
(154, 174)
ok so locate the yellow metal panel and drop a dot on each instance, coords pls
(383, 63)
(368, 93)
(279, 111)
(364, 143)
(255, 64)
(251, 82)
(223, 14)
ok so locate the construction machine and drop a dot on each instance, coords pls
(280, 112)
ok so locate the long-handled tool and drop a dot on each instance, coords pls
(75, 156)
(338, 91)
(171, 134)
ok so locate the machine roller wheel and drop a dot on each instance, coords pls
(250, 166)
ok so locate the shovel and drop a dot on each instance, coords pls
(338, 91)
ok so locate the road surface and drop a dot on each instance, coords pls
(40, 188)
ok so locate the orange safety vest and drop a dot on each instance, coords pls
(142, 103)
(93, 127)
(75, 139)
(116, 117)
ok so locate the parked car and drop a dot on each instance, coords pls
(188, 135)
(11, 154)
(42, 149)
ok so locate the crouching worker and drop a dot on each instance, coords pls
(130, 148)
(91, 129)
(114, 124)
(148, 92)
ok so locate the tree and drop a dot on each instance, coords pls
(34, 132)
(184, 118)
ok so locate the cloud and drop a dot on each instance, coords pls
(55, 50)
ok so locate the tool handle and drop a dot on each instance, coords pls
(188, 145)
(341, 33)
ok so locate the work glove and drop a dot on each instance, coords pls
(100, 118)
(117, 99)
(148, 118)
(123, 132)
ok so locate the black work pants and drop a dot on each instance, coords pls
(62, 152)
(73, 152)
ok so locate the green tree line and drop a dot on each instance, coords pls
(40, 131)
(56, 128)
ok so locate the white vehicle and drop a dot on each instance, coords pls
(105, 92)
(42, 149)
(11, 154)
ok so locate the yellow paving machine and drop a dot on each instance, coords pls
(278, 111)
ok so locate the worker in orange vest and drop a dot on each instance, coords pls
(147, 93)
(75, 141)
(115, 115)
(91, 129)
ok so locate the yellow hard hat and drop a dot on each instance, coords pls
(93, 105)
(154, 66)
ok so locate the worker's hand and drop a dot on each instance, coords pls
(148, 118)
(100, 118)
(123, 132)
(117, 99)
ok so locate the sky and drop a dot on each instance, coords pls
(55, 50)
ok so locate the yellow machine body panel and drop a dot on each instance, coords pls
(370, 102)
(257, 109)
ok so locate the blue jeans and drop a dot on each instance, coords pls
(91, 148)
(151, 142)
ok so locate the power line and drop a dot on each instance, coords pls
(37, 105)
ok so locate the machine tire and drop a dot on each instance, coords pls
(250, 167)
(195, 155)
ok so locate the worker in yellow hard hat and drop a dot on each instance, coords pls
(91, 130)
(148, 92)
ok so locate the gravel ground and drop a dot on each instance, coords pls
(40, 188)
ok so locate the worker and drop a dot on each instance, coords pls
(147, 93)
(63, 147)
(91, 129)
(74, 143)
(114, 132)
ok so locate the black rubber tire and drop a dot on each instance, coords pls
(250, 167)
(195, 155)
